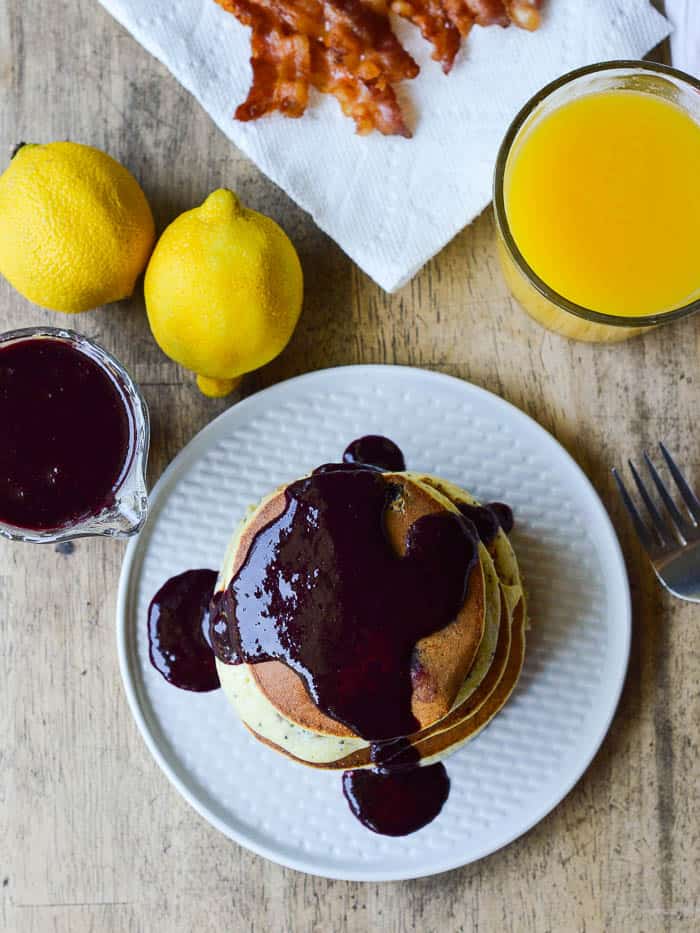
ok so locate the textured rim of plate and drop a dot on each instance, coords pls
(191, 452)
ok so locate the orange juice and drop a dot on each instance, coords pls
(602, 197)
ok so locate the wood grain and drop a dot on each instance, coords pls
(95, 839)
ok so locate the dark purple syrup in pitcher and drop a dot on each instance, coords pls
(322, 590)
(66, 434)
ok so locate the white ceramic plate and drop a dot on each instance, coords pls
(522, 765)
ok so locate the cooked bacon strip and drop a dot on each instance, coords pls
(334, 55)
(524, 13)
(371, 104)
(280, 74)
(347, 48)
(460, 16)
(436, 26)
(281, 65)
(488, 12)
(444, 23)
(360, 61)
(354, 30)
(280, 61)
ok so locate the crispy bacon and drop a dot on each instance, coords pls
(372, 104)
(355, 31)
(444, 23)
(347, 48)
(488, 12)
(524, 13)
(342, 48)
(281, 63)
(433, 19)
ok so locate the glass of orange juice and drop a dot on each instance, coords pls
(597, 201)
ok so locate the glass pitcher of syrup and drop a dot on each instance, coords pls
(74, 435)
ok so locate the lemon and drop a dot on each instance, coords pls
(223, 291)
(75, 227)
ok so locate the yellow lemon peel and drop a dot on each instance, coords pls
(223, 291)
(76, 229)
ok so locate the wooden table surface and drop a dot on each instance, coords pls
(94, 837)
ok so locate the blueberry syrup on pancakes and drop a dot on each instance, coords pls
(67, 434)
(489, 519)
(379, 453)
(322, 590)
(178, 631)
(347, 618)
(504, 514)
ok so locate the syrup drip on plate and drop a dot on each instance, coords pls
(377, 451)
(178, 631)
(396, 803)
(345, 617)
(396, 796)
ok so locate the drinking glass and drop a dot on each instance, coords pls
(542, 302)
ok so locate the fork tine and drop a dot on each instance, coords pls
(689, 497)
(661, 527)
(648, 543)
(676, 517)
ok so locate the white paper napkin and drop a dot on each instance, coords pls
(685, 41)
(391, 203)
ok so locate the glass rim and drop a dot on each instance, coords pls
(550, 294)
(138, 455)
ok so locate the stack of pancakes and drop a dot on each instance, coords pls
(461, 675)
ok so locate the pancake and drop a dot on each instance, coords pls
(441, 661)
(435, 747)
(322, 750)
(469, 702)
(350, 753)
(503, 553)
(454, 704)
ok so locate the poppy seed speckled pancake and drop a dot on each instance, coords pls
(444, 738)
(485, 688)
(460, 726)
(509, 656)
(441, 660)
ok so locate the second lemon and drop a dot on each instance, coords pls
(223, 291)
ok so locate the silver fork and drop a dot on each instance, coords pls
(671, 539)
